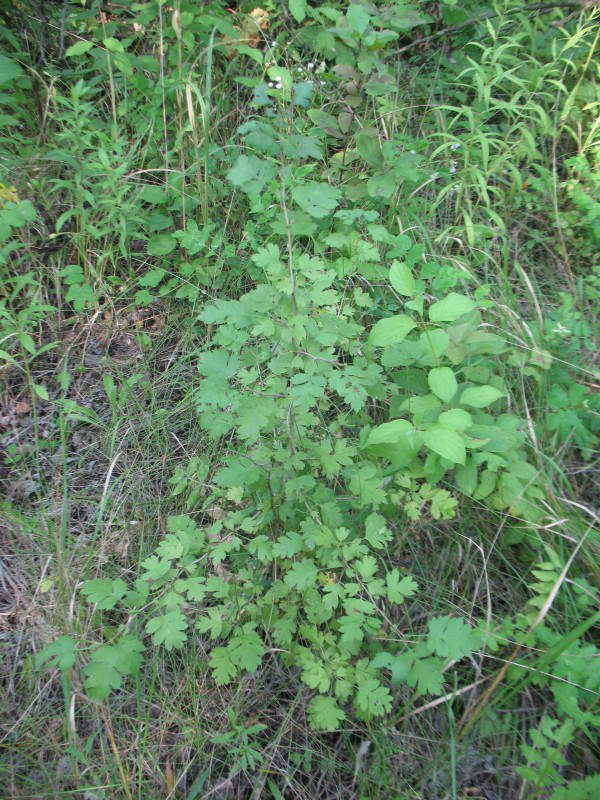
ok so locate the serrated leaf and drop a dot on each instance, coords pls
(446, 443)
(302, 574)
(104, 592)
(451, 308)
(480, 396)
(426, 675)
(398, 589)
(452, 638)
(402, 279)
(224, 669)
(60, 653)
(442, 383)
(373, 699)
(109, 664)
(324, 713)
(317, 199)
(391, 330)
(168, 629)
(251, 174)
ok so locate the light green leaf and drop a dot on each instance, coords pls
(324, 713)
(398, 589)
(452, 638)
(41, 391)
(224, 669)
(390, 432)
(161, 244)
(113, 45)
(450, 308)
(79, 48)
(60, 653)
(480, 396)
(283, 76)
(442, 383)
(297, 9)
(446, 443)
(168, 629)
(402, 279)
(373, 699)
(104, 592)
(391, 330)
(358, 18)
(9, 69)
(109, 664)
(455, 418)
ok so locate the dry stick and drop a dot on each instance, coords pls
(465, 724)
(113, 745)
(439, 700)
(491, 14)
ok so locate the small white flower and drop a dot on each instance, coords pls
(273, 44)
(322, 83)
(310, 65)
(271, 84)
(454, 146)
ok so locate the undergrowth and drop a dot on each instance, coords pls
(299, 418)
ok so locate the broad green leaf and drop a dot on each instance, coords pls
(451, 308)
(297, 9)
(324, 713)
(446, 443)
(390, 432)
(442, 383)
(113, 45)
(9, 69)
(369, 147)
(391, 330)
(41, 391)
(79, 48)
(358, 18)
(282, 76)
(153, 277)
(161, 244)
(317, 199)
(251, 174)
(480, 396)
(402, 279)
(455, 418)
